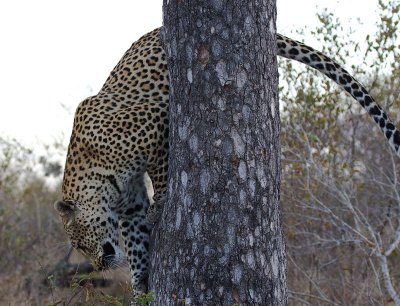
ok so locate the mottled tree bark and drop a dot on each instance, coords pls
(219, 239)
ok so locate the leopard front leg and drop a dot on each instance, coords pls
(158, 173)
(155, 210)
(135, 232)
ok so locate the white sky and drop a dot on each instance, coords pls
(57, 52)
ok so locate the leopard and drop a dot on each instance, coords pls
(121, 134)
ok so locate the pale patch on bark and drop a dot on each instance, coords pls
(189, 75)
(222, 74)
(238, 142)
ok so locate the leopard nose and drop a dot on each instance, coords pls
(108, 256)
(108, 249)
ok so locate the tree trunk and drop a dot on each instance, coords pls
(219, 239)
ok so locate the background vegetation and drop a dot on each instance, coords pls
(32, 241)
(340, 190)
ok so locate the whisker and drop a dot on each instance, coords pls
(59, 246)
(120, 266)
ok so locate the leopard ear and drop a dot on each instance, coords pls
(67, 210)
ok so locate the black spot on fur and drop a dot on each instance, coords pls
(390, 126)
(315, 58)
(347, 78)
(358, 94)
(281, 45)
(129, 211)
(375, 111)
(113, 182)
(396, 138)
(330, 67)
(294, 51)
(143, 229)
(368, 100)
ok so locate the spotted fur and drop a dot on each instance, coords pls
(122, 132)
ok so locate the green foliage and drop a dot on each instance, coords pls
(83, 292)
(91, 295)
(82, 279)
(146, 299)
